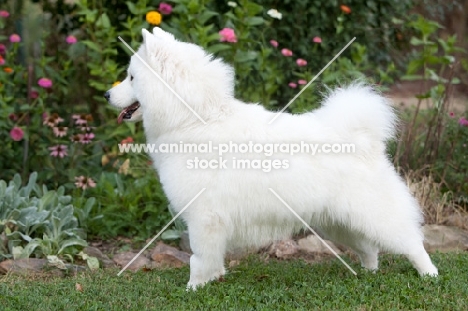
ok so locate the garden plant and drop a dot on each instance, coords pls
(64, 182)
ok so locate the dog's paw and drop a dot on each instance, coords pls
(193, 286)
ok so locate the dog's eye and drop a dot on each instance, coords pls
(131, 78)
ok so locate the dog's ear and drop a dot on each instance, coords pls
(148, 37)
(149, 41)
(161, 34)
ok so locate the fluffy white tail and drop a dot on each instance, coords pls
(359, 109)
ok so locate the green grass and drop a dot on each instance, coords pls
(276, 285)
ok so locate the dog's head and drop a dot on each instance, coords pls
(163, 71)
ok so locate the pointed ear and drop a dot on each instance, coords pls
(146, 36)
(149, 41)
(159, 33)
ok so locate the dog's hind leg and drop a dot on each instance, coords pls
(369, 256)
(367, 251)
(208, 243)
(420, 259)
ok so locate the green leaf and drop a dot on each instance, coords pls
(205, 16)
(56, 262)
(415, 41)
(254, 21)
(104, 21)
(18, 253)
(131, 7)
(171, 235)
(218, 48)
(93, 46)
(412, 77)
(72, 242)
(242, 56)
(93, 263)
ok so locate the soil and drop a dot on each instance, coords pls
(403, 95)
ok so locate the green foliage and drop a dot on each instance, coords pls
(132, 207)
(134, 204)
(436, 137)
(176, 233)
(263, 74)
(35, 221)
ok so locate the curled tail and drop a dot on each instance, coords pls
(359, 109)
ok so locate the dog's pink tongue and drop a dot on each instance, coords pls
(121, 115)
(124, 111)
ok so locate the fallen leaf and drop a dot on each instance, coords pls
(56, 262)
(78, 287)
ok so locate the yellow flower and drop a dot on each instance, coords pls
(116, 83)
(154, 18)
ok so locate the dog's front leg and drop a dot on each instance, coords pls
(207, 235)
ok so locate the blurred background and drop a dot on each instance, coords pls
(58, 57)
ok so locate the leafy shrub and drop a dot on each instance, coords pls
(131, 207)
(435, 138)
(35, 221)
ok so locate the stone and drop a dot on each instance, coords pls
(95, 252)
(35, 265)
(284, 248)
(23, 266)
(444, 238)
(165, 256)
(458, 220)
(312, 244)
(122, 259)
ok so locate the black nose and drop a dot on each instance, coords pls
(107, 95)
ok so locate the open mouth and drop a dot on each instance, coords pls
(126, 113)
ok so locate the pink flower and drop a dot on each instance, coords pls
(317, 40)
(60, 131)
(286, 52)
(165, 8)
(58, 151)
(45, 83)
(82, 119)
(2, 49)
(84, 182)
(292, 85)
(51, 120)
(16, 133)
(274, 43)
(14, 38)
(451, 114)
(13, 117)
(86, 128)
(127, 140)
(33, 94)
(301, 62)
(2, 61)
(227, 35)
(86, 138)
(463, 121)
(71, 39)
(4, 13)
(302, 82)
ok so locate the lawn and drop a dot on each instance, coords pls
(277, 285)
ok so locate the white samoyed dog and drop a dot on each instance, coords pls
(354, 198)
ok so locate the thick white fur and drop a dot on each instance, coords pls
(355, 199)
